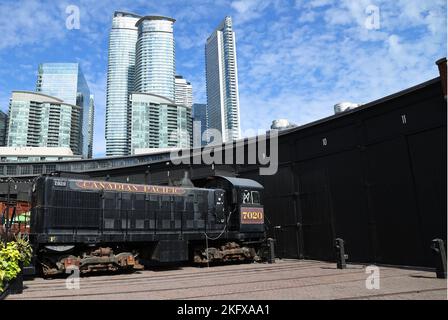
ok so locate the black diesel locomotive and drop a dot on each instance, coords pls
(103, 225)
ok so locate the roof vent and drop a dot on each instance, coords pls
(344, 106)
(281, 124)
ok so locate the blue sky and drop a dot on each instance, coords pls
(296, 59)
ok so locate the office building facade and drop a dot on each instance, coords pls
(39, 120)
(91, 124)
(184, 91)
(199, 123)
(66, 82)
(120, 81)
(222, 82)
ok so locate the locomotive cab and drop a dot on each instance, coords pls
(244, 198)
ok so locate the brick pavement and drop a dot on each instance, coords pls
(286, 279)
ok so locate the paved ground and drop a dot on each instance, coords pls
(286, 279)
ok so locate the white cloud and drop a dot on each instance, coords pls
(247, 10)
(302, 73)
(29, 23)
(295, 60)
(308, 16)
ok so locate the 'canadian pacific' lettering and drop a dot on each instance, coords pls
(114, 186)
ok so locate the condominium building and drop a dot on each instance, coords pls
(66, 81)
(39, 120)
(120, 81)
(154, 60)
(158, 122)
(184, 91)
(222, 82)
(3, 128)
(141, 60)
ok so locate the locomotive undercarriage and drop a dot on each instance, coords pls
(56, 260)
(87, 261)
(229, 252)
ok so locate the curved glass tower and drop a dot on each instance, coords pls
(155, 67)
(120, 81)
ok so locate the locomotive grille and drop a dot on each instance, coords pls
(73, 209)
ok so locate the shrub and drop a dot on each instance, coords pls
(11, 256)
(25, 250)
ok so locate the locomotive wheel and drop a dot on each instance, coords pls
(228, 253)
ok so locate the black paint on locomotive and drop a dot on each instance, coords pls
(168, 220)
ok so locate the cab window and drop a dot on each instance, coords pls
(255, 197)
(251, 197)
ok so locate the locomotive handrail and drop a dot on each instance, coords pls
(222, 232)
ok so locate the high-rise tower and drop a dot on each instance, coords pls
(66, 81)
(120, 81)
(91, 124)
(141, 112)
(223, 111)
(154, 61)
(184, 92)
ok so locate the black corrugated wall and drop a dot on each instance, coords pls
(378, 182)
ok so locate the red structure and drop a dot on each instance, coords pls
(16, 218)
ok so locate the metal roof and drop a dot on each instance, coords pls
(241, 182)
(154, 18)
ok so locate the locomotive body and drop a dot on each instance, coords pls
(103, 225)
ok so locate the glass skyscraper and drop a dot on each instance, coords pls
(66, 81)
(120, 81)
(91, 124)
(199, 115)
(154, 61)
(141, 70)
(223, 110)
